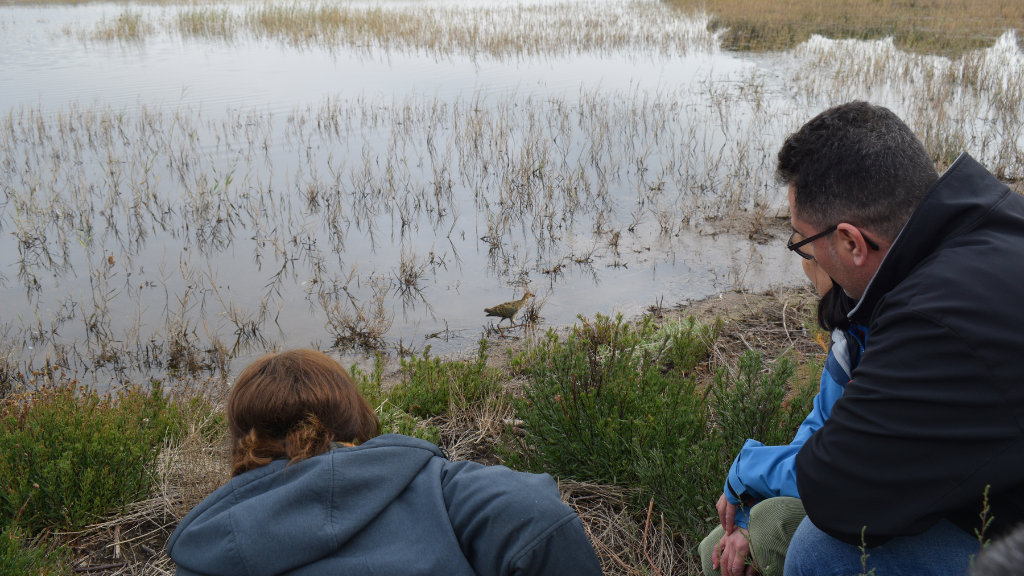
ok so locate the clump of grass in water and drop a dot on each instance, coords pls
(618, 404)
(508, 31)
(363, 326)
(204, 22)
(948, 27)
(129, 25)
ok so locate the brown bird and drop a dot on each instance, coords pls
(508, 309)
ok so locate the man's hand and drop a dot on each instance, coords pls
(730, 554)
(726, 515)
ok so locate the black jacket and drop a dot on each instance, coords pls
(935, 410)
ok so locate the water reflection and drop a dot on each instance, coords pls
(342, 200)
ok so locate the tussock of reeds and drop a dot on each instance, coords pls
(130, 26)
(948, 27)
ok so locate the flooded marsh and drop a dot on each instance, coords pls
(188, 186)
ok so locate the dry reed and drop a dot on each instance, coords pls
(496, 31)
(130, 26)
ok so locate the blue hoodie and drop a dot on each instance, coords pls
(393, 505)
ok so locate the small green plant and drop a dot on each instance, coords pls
(686, 342)
(20, 559)
(69, 455)
(986, 521)
(393, 420)
(864, 554)
(749, 403)
(431, 386)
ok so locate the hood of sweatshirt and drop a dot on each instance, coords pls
(277, 518)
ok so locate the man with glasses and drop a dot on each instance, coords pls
(925, 446)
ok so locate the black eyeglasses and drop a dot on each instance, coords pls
(795, 247)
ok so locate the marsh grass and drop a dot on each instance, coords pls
(363, 326)
(945, 27)
(495, 31)
(129, 26)
(564, 185)
(147, 172)
(948, 27)
(206, 22)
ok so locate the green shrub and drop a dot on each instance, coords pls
(617, 403)
(17, 559)
(430, 386)
(748, 404)
(68, 456)
(804, 387)
(686, 342)
(610, 403)
(393, 420)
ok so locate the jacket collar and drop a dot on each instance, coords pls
(955, 203)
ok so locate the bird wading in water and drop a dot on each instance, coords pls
(508, 309)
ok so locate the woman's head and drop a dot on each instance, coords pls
(293, 405)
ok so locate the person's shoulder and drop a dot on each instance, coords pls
(503, 487)
(398, 441)
(970, 282)
(497, 476)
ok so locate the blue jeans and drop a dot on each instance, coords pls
(944, 550)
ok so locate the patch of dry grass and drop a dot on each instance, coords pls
(625, 545)
(130, 26)
(497, 31)
(206, 22)
(947, 27)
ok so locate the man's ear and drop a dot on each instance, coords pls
(850, 244)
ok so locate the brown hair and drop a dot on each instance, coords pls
(293, 405)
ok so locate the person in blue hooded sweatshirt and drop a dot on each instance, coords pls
(316, 491)
(760, 509)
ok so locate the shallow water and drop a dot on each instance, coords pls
(175, 192)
